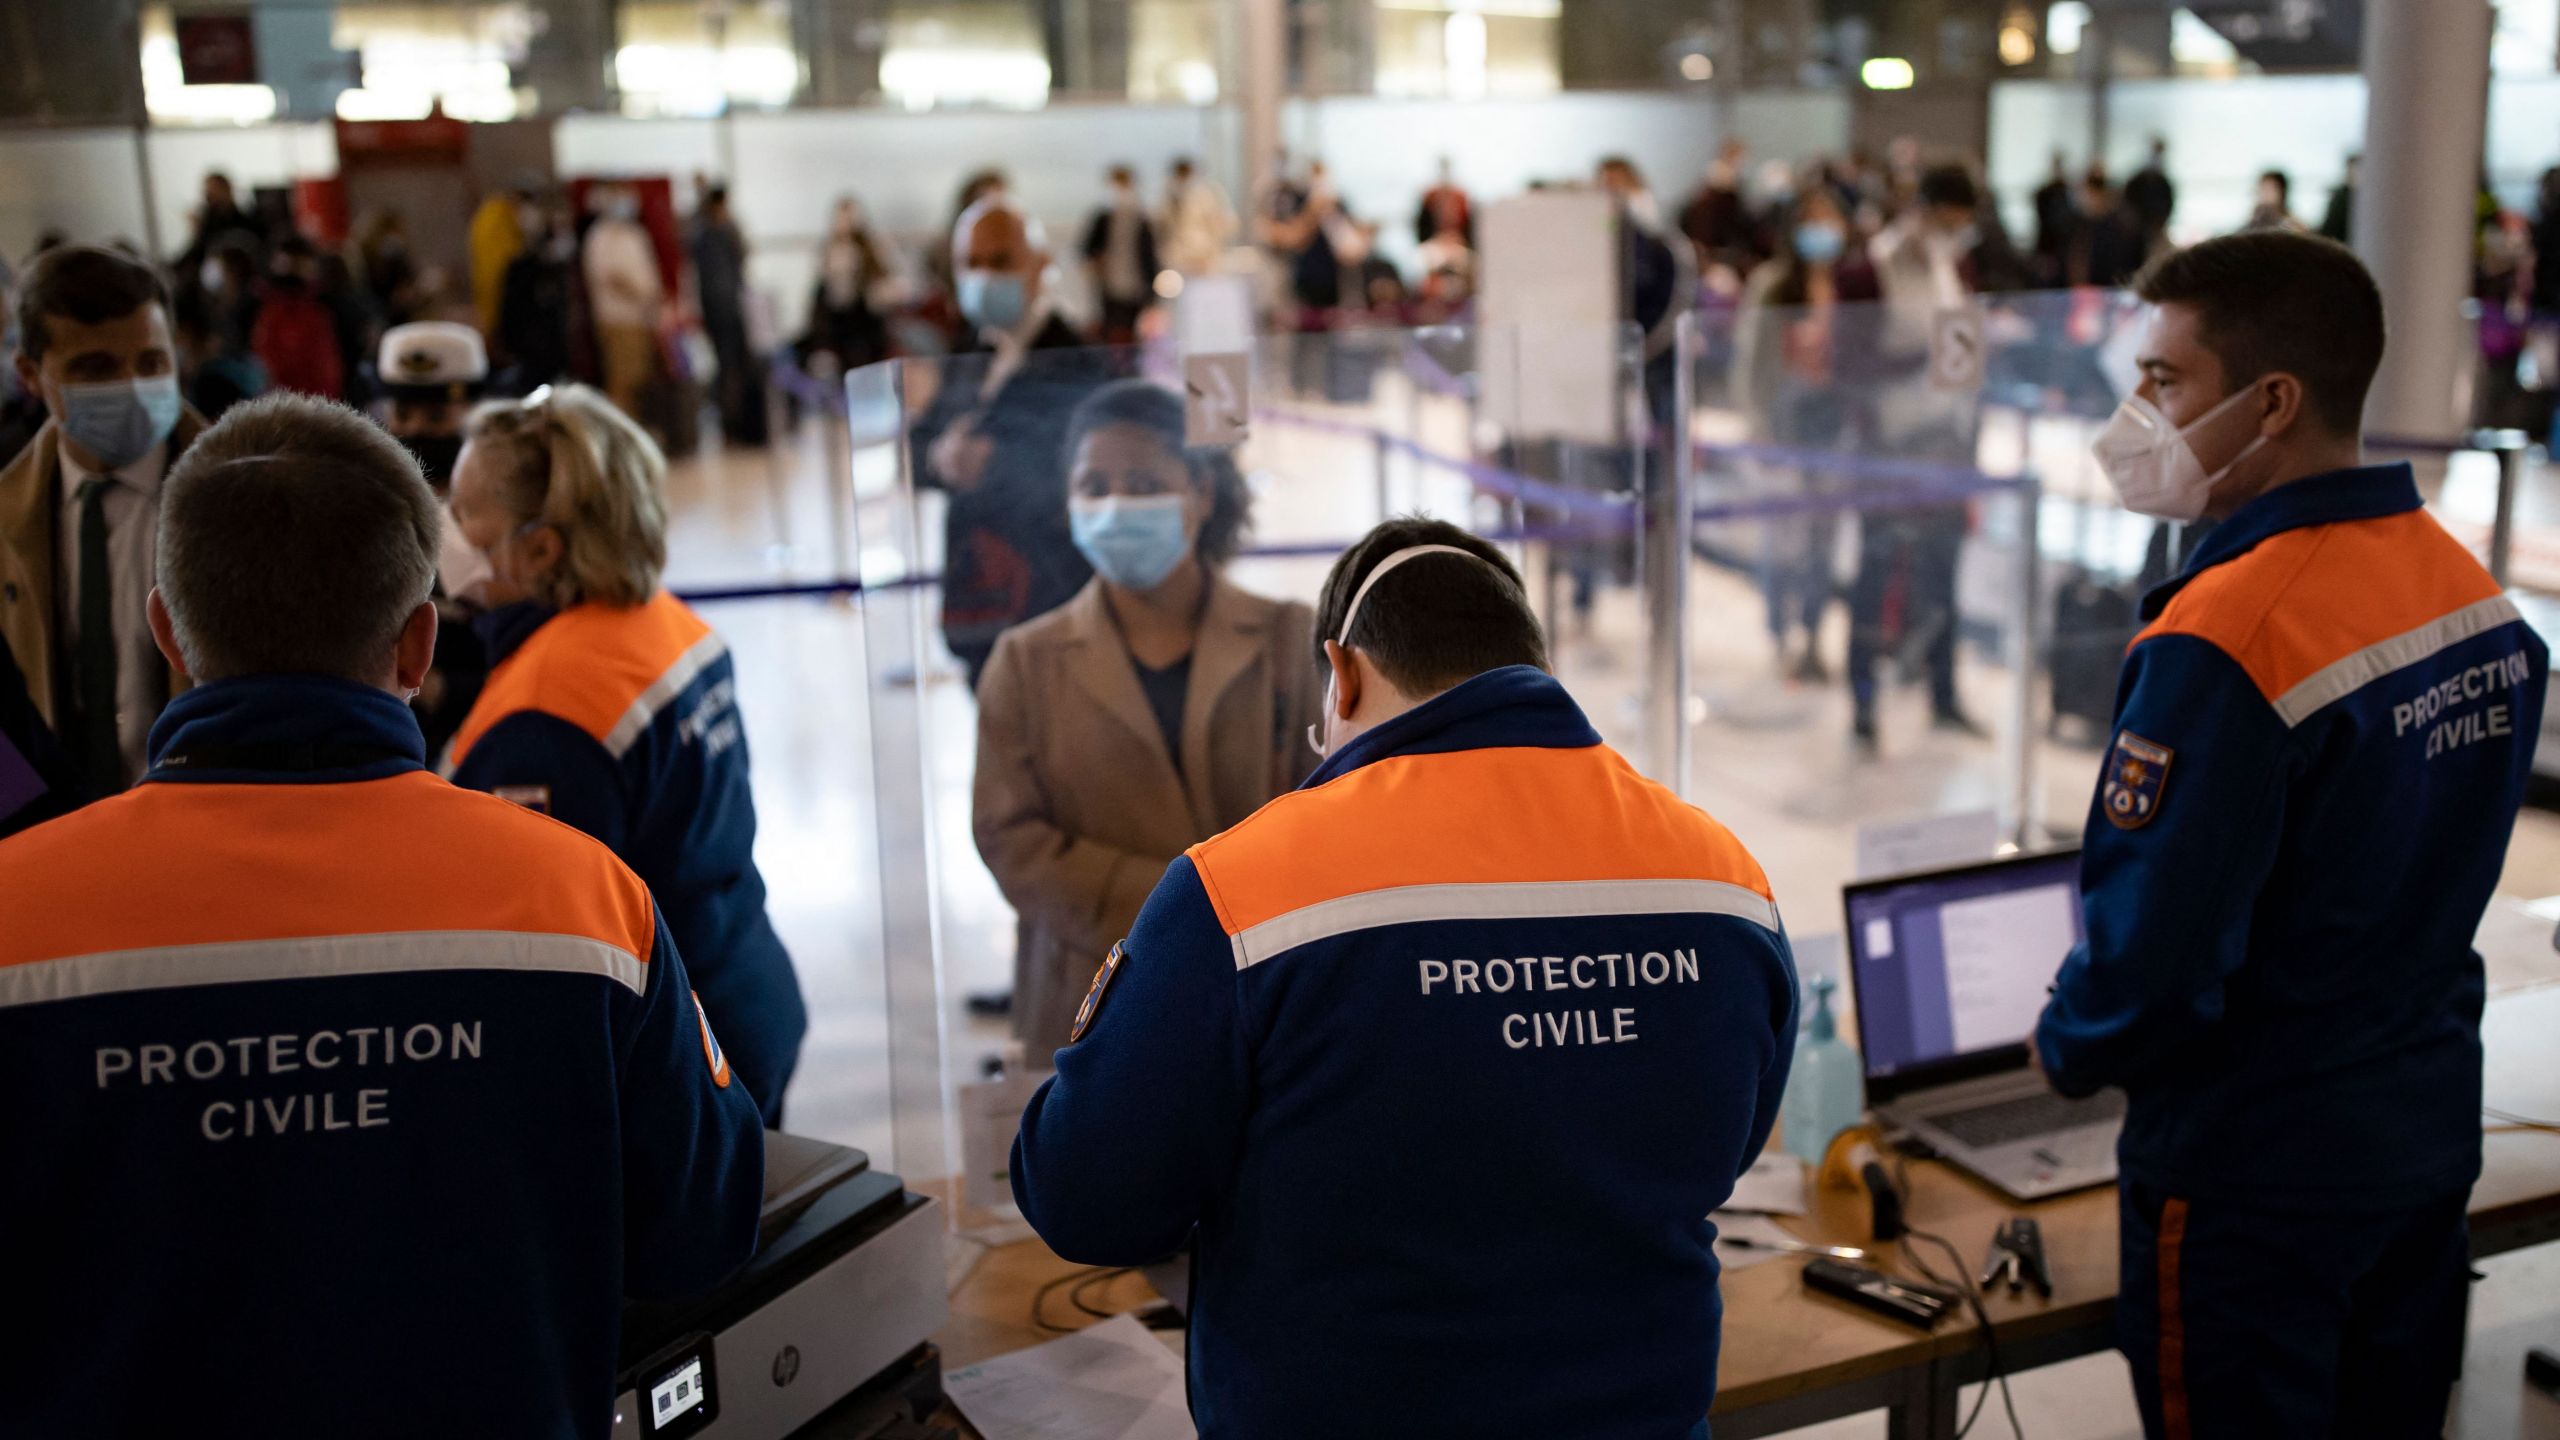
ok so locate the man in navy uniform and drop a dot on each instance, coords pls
(1446, 1055)
(340, 1101)
(2321, 742)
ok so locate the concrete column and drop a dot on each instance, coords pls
(2426, 67)
(1264, 58)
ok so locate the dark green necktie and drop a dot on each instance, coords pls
(101, 748)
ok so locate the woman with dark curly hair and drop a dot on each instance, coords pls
(1158, 707)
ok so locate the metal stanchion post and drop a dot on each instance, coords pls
(2019, 748)
(1380, 451)
(2512, 456)
(839, 461)
(1668, 510)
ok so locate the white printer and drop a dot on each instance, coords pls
(846, 1286)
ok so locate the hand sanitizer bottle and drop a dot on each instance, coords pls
(1826, 1091)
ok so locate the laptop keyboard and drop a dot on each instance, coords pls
(2028, 1116)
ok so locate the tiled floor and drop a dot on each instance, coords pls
(833, 757)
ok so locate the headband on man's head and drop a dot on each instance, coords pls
(1352, 611)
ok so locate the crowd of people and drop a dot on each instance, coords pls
(292, 529)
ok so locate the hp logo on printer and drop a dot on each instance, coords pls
(786, 1366)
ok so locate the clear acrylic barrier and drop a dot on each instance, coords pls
(1912, 588)
(960, 532)
(1886, 495)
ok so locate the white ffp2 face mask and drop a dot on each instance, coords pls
(2153, 468)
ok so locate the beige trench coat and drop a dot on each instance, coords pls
(1078, 806)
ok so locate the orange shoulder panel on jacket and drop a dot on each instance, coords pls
(588, 665)
(181, 863)
(2304, 599)
(1521, 814)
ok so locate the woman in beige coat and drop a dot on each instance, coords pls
(1158, 707)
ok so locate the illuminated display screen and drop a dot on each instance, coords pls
(678, 1395)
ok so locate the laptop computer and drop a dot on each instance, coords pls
(1949, 970)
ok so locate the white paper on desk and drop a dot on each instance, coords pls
(1743, 1227)
(1113, 1381)
(1774, 1185)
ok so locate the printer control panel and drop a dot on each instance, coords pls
(678, 1394)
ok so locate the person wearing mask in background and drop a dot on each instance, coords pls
(2058, 224)
(80, 509)
(1807, 317)
(943, 266)
(624, 294)
(1120, 254)
(1717, 221)
(719, 251)
(2274, 207)
(853, 264)
(1926, 267)
(612, 707)
(2111, 243)
(1199, 224)
(500, 229)
(1423, 1180)
(295, 337)
(2322, 740)
(220, 222)
(559, 1130)
(2338, 222)
(1661, 277)
(2152, 197)
(390, 273)
(432, 372)
(351, 320)
(1445, 210)
(215, 376)
(994, 435)
(542, 302)
(1157, 708)
(230, 290)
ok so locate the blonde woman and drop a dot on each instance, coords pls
(610, 705)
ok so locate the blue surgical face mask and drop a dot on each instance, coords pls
(120, 420)
(1133, 541)
(1819, 244)
(992, 300)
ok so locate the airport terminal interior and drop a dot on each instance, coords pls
(1777, 346)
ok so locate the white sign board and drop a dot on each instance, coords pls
(1956, 356)
(1548, 321)
(1213, 327)
(1931, 842)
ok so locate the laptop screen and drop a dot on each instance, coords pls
(1956, 963)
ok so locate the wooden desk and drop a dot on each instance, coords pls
(1792, 1357)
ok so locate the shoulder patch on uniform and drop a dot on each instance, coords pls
(717, 1058)
(2137, 779)
(536, 798)
(1092, 1005)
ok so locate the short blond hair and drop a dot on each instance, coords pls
(565, 457)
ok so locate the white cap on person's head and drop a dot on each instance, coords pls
(432, 355)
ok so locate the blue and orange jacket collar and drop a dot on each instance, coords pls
(504, 630)
(308, 729)
(1517, 705)
(2367, 492)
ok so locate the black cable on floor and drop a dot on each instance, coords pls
(1080, 1277)
(1963, 1285)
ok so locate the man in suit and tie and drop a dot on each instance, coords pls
(79, 508)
